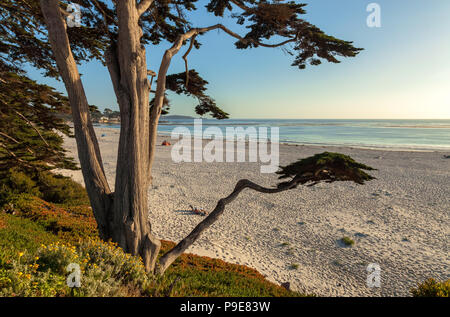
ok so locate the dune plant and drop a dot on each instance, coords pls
(293, 266)
(347, 241)
(432, 288)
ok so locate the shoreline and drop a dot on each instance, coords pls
(399, 220)
(361, 147)
(402, 148)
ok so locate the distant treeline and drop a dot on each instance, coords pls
(112, 116)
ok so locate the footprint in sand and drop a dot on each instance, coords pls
(380, 193)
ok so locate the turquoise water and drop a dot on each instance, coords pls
(397, 134)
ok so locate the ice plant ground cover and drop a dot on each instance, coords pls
(39, 239)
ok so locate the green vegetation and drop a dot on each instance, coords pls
(293, 266)
(43, 184)
(347, 241)
(327, 167)
(31, 142)
(109, 114)
(106, 271)
(432, 288)
(30, 125)
(38, 239)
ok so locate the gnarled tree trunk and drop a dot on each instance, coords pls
(122, 218)
(88, 149)
(131, 228)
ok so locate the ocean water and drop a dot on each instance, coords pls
(395, 134)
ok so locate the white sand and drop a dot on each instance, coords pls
(400, 220)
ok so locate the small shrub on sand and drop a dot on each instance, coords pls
(432, 288)
(347, 241)
(293, 266)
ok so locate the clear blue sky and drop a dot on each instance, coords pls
(403, 73)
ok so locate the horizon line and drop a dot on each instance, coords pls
(249, 118)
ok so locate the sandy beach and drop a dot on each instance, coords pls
(399, 221)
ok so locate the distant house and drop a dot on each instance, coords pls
(104, 119)
(114, 120)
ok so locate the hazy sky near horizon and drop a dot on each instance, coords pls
(403, 72)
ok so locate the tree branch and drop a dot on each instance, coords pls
(15, 141)
(241, 5)
(195, 31)
(143, 6)
(186, 61)
(49, 148)
(179, 43)
(64, 12)
(152, 74)
(104, 14)
(244, 40)
(112, 63)
(3, 146)
(9, 137)
(162, 74)
(167, 259)
(34, 128)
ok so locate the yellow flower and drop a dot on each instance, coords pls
(20, 254)
(19, 273)
(36, 258)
